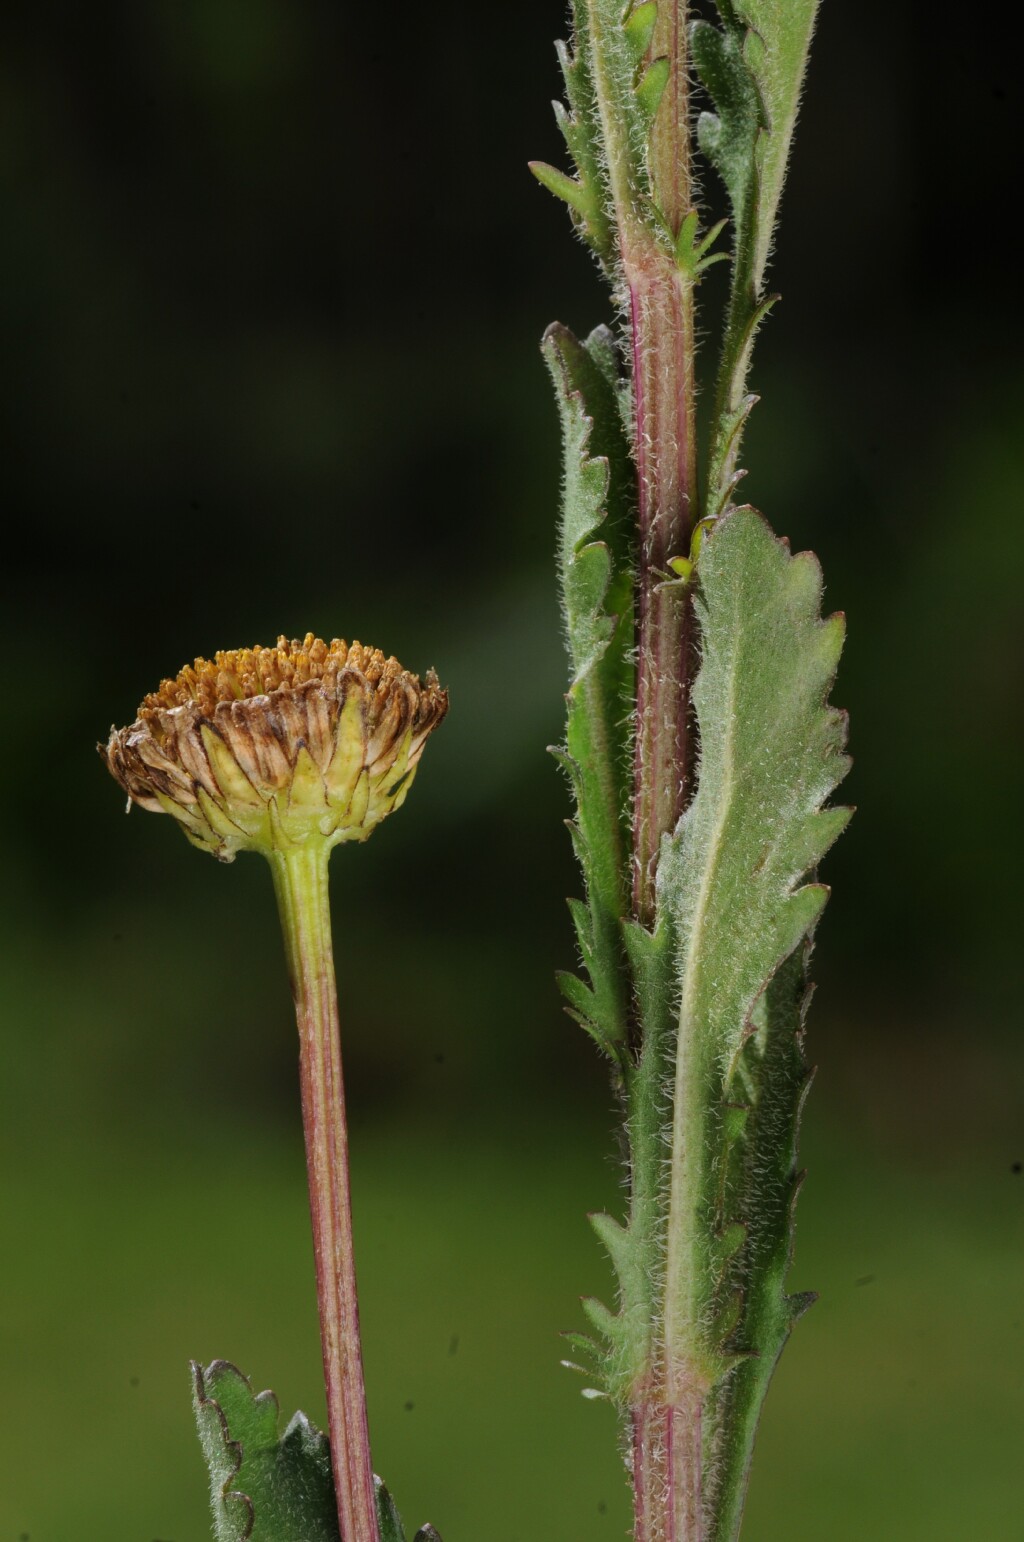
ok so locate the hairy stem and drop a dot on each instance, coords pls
(670, 133)
(667, 1447)
(687, 1381)
(300, 881)
(662, 321)
(668, 1413)
(661, 315)
(667, 1457)
(716, 903)
(667, 1429)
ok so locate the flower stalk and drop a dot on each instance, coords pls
(290, 751)
(301, 886)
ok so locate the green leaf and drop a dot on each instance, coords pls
(603, 1319)
(639, 29)
(691, 253)
(734, 880)
(629, 1330)
(613, 94)
(728, 136)
(581, 129)
(578, 195)
(597, 605)
(388, 1518)
(390, 1522)
(775, 47)
(588, 1351)
(263, 1487)
(753, 69)
(651, 87)
(762, 1186)
(636, 1249)
(771, 753)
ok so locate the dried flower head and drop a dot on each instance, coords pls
(265, 748)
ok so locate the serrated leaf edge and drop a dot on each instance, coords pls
(204, 1400)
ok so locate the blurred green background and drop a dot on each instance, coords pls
(271, 286)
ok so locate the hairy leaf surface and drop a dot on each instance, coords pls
(614, 92)
(390, 1522)
(776, 46)
(753, 69)
(771, 752)
(266, 1487)
(760, 1190)
(734, 879)
(597, 607)
(580, 125)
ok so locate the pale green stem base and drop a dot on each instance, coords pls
(300, 881)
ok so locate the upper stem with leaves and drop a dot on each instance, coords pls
(697, 980)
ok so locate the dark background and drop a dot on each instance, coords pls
(271, 286)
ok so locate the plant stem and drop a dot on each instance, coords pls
(670, 1421)
(661, 311)
(662, 321)
(687, 1384)
(667, 1463)
(300, 882)
(667, 1420)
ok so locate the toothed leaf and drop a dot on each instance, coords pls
(775, 49)
(728, 136)
(597, 605)
(578, 195)
(693, 256)
(264, 1487)
(630, 1341)
(583, 1346)
(636, 1247)
(603, 1319)
(771, 753)
(584, 924)
(584, 1008)
(734, 881)
(762, 1186)
(581, 129)
(753, 69)
(640, 1250)
(388, 1519)
(613, 94)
